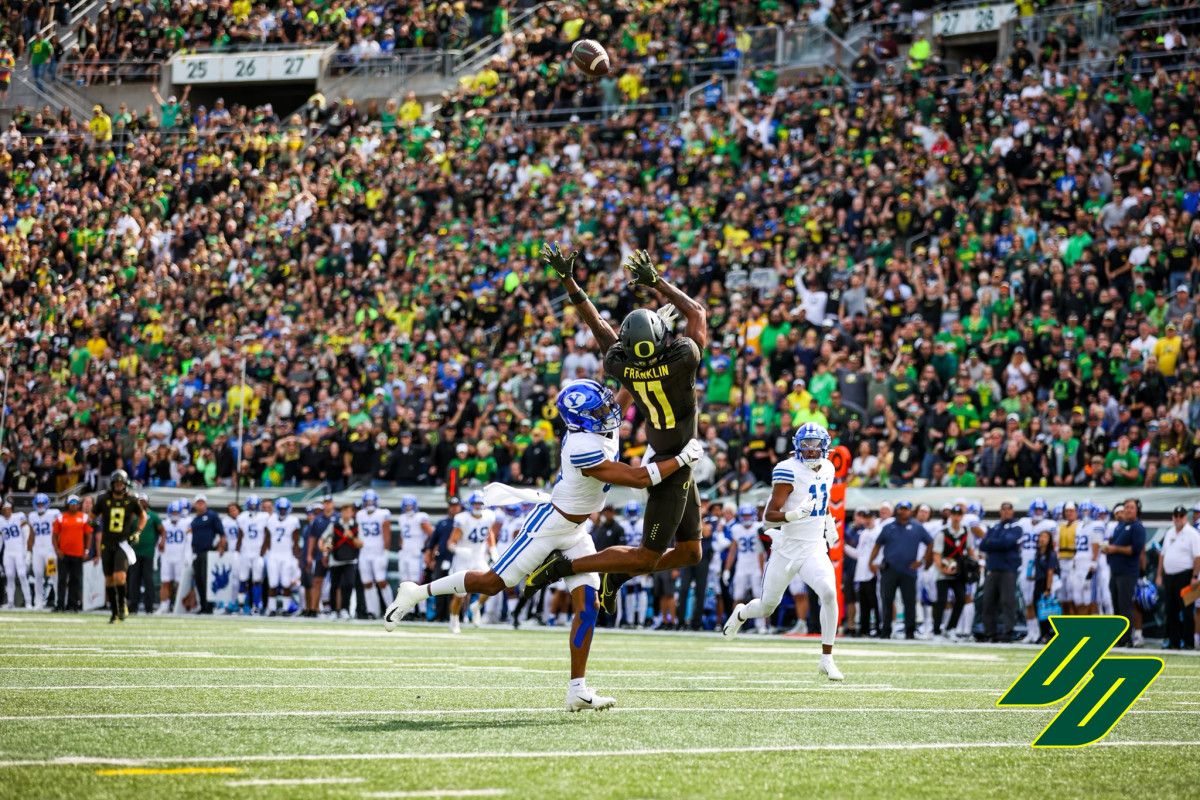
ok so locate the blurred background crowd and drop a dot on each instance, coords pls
(975, 273)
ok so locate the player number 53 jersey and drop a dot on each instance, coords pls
(370, 528)
(807, 484)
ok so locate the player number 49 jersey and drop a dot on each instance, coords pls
(42, 523)
(475, 530)
(807, 484)
(280, 532)
(370, 528)
(574, 492)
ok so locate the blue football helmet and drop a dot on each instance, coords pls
(174, 510)
(747, 513)
(1037, 509)
(475, 503)
(1057, 514)
(1101, 511)
(408, 503)
(1087, 509)
(975, 508)
(370, 499)
(1145, 594)
(633, 510)
(283, 507)
(811, 444)
(513, 509)
(587, 406)
(41, 502)
(185, 506)
(253, 503)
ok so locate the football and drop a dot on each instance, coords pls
(591, 57)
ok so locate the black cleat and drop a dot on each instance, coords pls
(610, 587)
(555, 567)
(124, 611)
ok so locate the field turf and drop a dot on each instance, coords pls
(201, 708)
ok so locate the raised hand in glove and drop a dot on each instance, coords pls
(644, 273)
(803, 510)
(831, 531)
(693, 451)
(563, 265)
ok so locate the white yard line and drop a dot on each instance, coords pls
(441, 793)
(547, 710)
(825, 687)
(473, 756)
(293, 781)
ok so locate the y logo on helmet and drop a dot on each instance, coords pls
(574, 400)
(1078, 655)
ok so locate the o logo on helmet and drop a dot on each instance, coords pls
(637, 349)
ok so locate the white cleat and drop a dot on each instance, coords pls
(407, 596)
(1137, 640)
(454, 626)
(827, 667)
(587, 700)
(163, 609)
(476, 610)
(800, 628)
(735, 621)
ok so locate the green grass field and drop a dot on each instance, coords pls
(264, 708)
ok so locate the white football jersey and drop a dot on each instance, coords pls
(574, 492)
(510, 528)
(412, 533)
(370, 529)
(807, 484)
(633, 532)
(253, 526)
(230, 526)
(1030, 531)
(746, 544)
(279, 532)
(175, 538)
(42, 523)
(1098, 534)
(10, 530)
(475, 530)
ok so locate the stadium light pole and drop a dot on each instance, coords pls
(244, 339)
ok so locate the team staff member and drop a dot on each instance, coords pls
(314, 559)
(438, 559)
(1002, 546)
(1179, 571)
(208, 534)
(121, 520)
(70, 536)
(1124, 551)
(899, 540)
(343, 561)
(141, 574)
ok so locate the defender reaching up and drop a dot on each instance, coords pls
(659, 375)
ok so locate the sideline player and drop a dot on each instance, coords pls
(375, 528)
(745, 560)
(121, 519)
(12, 531)
(415, 528)
(589, 466)
(800, 501)
(1083, 565)
(473, 542)
(175, 548)
(283, 549)
(659, 377)
(252, 544)
(41, 545)
(1031, 528)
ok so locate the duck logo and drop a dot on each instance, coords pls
(1077, 657)
(220, 578)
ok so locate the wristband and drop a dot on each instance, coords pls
(655, 474)
(680, 461)
(577, 298)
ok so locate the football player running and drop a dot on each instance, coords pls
(800, 504)
(659, 377)
(589, 466)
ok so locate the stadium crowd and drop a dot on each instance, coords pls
(978, 278)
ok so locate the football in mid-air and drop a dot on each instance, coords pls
(591, 57)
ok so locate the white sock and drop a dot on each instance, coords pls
(388, 597)
(829, 620)
(826, 658)
(241, 598)
(451, 584)
(967, 622)
(754, 610)
(578, 685)
(372, 600)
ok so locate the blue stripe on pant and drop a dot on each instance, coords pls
(511, 553)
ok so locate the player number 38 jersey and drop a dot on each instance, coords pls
(807, 484)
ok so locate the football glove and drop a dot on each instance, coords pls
(693, 451)
(803, 510)
(831, 531)
(644, 273)
(493, 554)
(563, 265)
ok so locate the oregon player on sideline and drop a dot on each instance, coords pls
(660, 378)
(120, 519)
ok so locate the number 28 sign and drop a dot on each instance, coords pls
(262, 67)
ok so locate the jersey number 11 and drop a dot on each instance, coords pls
(662, 417)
